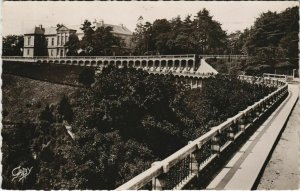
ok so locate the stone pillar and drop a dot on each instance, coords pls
(158, 183)
(215, 145)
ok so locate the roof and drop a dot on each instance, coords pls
(205, 68)
(50, 30)
(36, 30)
(119, 29)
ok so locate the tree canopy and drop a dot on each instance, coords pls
(13, 45)
(200, 35)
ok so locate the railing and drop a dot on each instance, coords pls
(183, 56)
(177, 170)
(223, 56)
(276, 76)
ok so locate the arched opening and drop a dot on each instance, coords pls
(105, 63)
(183, 65)
(50, 62)
(157, 65)
(99, 62)
(150, 65)
(137, 64)
(118, 63)
(125, 63)
(74, 62)
(112, 62)
(176, 66)
(93, 63)
(190, 65)
(56, 62)
(130, 63)
(87, 63)
(69, 62)
(163, 65)
(144, 65)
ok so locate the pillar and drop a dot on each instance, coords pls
(158, 183)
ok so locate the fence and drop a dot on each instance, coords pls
(177, 170)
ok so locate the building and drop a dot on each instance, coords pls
(56, 38)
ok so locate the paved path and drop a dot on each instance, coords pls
(242, 170)
(282, 171)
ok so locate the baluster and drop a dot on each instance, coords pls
(215, 147)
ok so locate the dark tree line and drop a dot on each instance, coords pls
(198, 35)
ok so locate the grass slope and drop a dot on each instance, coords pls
(25, 98)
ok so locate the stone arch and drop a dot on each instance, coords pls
(99, 62)
(137, 64)
(87, 63)
(112, 62)
(50, 61)
(124, 63)
(118, 63)
(93, 63)
(150, 65)
(190, 65)
(69, 62)
(130, 63)
(74, 62)
(105, 63)
(144, 64)
(56, 62)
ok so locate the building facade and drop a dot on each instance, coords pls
(56, 37)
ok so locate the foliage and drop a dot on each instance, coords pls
(271, 40)
(40, 48)
(100, 41)
(125, 121)
(72, 45)
(13, 45)
(202, 35)
(65, 110)
(87, 77)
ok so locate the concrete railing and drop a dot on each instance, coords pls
(177, 170)
(171, 57)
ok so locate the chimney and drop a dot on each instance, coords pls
(101, 23)
(41, 26)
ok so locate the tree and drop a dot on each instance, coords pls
(87, 40)
(64, 108)
(72, 45)
(46, 114)
(40, 47)
(13, 45)
(87, 77)
(104, 42)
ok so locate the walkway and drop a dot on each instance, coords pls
(242, 171)
(282, 171)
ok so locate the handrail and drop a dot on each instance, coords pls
(210, 139)
(189, 56)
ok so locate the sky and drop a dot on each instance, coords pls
(19, 17)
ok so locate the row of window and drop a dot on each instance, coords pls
(61, 40)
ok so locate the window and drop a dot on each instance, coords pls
(29, 38)
(58, 40)
(62, 40)
(28, 51)
(47, 41)
(51, 52)
(52, 43)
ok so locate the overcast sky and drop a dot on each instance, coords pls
(18, 17)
